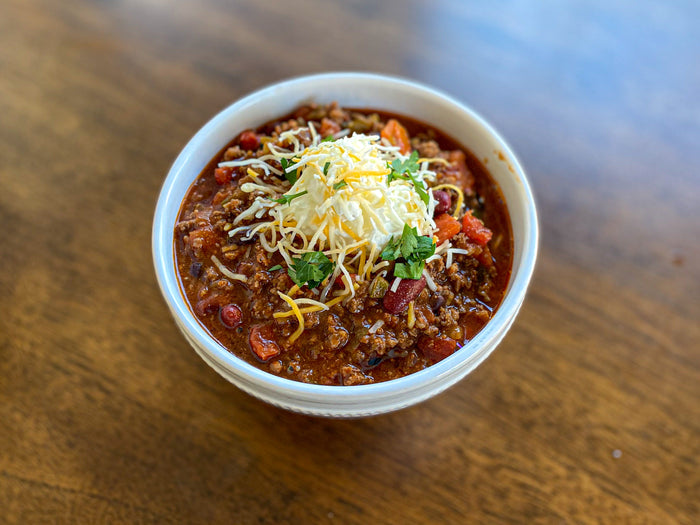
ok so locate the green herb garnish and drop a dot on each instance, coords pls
(414, 249)
(291, 176)
(329, 138)
(275, 267)
(405, 170)
(311, 269)
(339, 185)
(325, 168)
(286, 199)
(399, 167)
(412, 270)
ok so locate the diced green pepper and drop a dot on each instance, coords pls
(378, 287)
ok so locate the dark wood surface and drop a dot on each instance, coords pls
(587, 413)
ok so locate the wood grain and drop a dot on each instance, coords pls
(587, 413)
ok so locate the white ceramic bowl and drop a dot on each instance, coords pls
(360, 90)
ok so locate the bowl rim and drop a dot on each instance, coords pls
(169, 282)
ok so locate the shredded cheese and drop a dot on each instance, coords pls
(341, 200)
(228, 273)
(411, 316)
(340, 203)
(297, 313)
(312, 302)
(460, 196)
(454, 251)
(376, 326)
(429, 280)
(317, 307)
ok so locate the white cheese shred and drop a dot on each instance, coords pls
(376, 326)
(341, 204)
(454, 251)
(429, 280)
(228, 273)
(411, 316)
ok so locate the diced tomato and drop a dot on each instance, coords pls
(459, 172)
(447, 227)
(474, 228)
(328, 127)
(221, 196)
(437, 348)
(249, 140)
(484, 257)
(223, 175)
(397, 135)
(262, 341)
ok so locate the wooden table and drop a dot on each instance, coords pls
(587, 413)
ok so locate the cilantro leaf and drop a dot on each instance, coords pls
(412, 270)
(325, 168)
(409, 241)
(425, 247)
(311, 269)
(275, 267)
(412, 249)
(329, 138)
(339, 185)
(392, 251)
(409, 165)
(418, 185)
(405, 170)
(291, 176)
(286, 199)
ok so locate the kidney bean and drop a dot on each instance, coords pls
(408, 289)
(437, 348)
(437, 302)
(231, 316)
(262, 341)
(443, 202)
(208, 305)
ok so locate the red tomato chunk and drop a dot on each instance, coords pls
(475, 229)
(447, 227)
(249, 140)
(397, 135)
(262, 341)
(437, 348)
(223, 175)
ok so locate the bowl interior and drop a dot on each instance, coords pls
(360, 91)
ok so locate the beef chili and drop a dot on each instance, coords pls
(342, 247)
